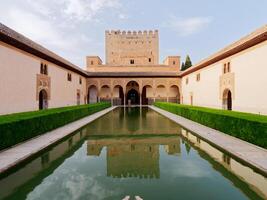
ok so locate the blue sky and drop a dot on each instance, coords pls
(75, 28)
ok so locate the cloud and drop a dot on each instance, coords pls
(41, 30)
(58, 24)
(70, 183)
(75, 10)
(188, 26)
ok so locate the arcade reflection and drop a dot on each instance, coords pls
(133, 121)
(133, 152)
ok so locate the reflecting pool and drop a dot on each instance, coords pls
(135, 152)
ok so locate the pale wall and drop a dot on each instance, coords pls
(206, 91)
(249, 68)
(18, 82)
(64, 92)
(251, 80)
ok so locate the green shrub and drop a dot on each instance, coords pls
(246, 126)
(18, 127)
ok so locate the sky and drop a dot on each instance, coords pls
(74, 29)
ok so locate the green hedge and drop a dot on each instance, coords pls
(246, 126)
(18, 127)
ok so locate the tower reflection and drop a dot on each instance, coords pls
(133, 157)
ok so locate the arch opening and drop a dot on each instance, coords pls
(174, 94)
(105, 94)
(161, 93)
(43, 100)
(92, 94)
(227, 99)
(118, 95)
(132, 93)
(147, 95)
(132, 97)
(78, 98)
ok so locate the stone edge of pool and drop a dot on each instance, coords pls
(11, 157)
(251, 154)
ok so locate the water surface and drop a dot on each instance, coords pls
(133, 151)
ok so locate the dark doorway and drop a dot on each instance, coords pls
(229, 100)
(133, 96)
(42, 100)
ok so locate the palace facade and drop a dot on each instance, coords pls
(32, 77)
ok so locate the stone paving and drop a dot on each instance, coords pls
(20, 152)
(249, 153)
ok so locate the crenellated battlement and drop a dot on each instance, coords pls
(132, 33)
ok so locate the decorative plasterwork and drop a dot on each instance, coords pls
(227, 81)
(43, 82)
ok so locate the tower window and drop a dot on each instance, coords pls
(149, 59)
(80, 80)
(173, 62)
(132, 61)
(92, 62)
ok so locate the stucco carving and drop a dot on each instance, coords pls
(227, 81)
(43, 82)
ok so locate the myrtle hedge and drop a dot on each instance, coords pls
(246, 126)
(18, 127)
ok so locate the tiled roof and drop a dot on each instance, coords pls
(19, 41)
(246, 42)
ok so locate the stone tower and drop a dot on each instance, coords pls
(132, 48)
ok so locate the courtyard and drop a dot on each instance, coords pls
(133, 100)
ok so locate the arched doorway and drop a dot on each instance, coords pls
(92, 94)
(118, 95)
(227, 99)
(43, 101)
(132, 93)
(147, 95)
(133, 97)
(174, 94)
(78, 98)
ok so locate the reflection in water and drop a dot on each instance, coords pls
(134, 157)
(25, 178)
(256, 181)
(133, 152)
(132, 121)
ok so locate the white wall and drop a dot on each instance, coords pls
(17, 82)
(64, 92)
(250, 85)
(251, 80)
(18, 72)
(206, 91)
